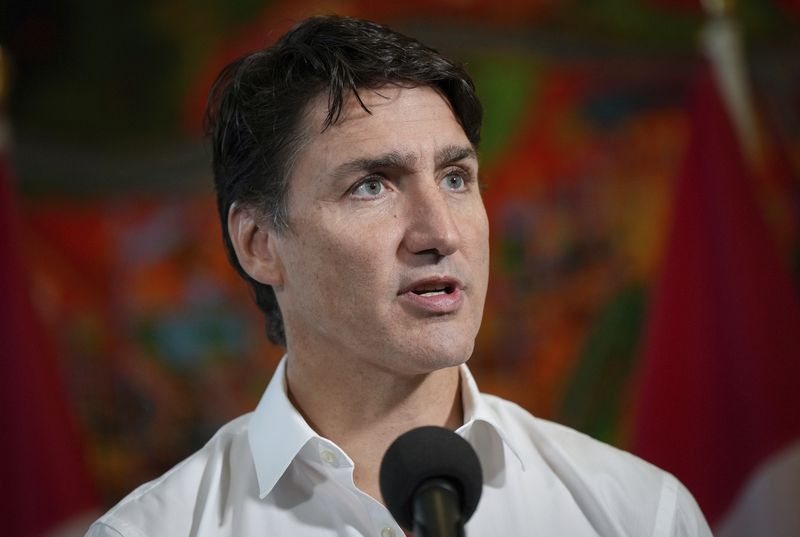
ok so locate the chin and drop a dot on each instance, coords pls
(439, 354)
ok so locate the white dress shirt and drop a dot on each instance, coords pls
(269, 474)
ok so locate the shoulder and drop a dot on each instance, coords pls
(558, 441)
(616, 489)
(565, 449)
(168, 505)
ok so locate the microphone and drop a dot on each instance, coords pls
(431, 481)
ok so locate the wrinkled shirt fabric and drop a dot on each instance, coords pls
(269, 474)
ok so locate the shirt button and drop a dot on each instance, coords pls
(387, 532)
(329, 457)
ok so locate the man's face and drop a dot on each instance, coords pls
(386, 259)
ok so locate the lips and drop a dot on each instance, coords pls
(434, 295)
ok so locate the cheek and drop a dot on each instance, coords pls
(478, 254)
(477, 236)
(348, 259)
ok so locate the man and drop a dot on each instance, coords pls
(347, 180)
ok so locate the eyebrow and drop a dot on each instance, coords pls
(454, 153)
(404, 161)
(393, 159)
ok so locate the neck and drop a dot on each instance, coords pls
(363, 409)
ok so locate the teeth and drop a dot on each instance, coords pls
(433, 293)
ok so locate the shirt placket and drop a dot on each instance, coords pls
(381, 523)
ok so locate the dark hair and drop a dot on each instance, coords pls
(255, 112)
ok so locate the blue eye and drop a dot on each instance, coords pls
(454, 181)
(369, 188)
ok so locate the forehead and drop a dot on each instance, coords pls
(412, 122)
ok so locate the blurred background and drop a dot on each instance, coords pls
(641, 164)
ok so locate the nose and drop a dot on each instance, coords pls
(432, 227)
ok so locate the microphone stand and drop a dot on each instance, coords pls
(437, 512)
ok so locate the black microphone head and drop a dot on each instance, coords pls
(427, 453)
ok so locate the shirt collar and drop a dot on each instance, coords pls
(476, 410)
(277, 431)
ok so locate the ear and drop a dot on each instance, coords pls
(254, 243)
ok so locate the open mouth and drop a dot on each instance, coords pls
(438, 295)
(434, 291)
